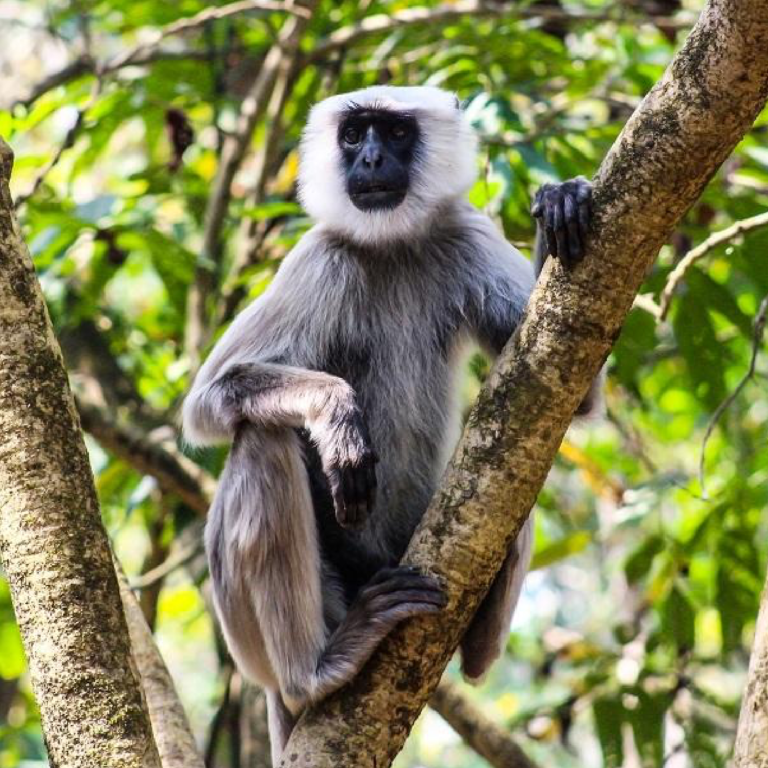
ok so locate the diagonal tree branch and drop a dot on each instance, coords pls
(161, 459)
(132, 55)
(148, 52)
(677, 275)
(172, 731)
(670, 148)
(489, 740)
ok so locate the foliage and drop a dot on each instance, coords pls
(631, 643)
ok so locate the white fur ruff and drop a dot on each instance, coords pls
(443, 170)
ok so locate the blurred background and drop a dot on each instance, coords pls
(631, 642)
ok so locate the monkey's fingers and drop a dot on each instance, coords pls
(571, 214)
(337, 494)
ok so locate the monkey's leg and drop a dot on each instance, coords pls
(484, 641)
(266, 570)
(272, 396)
(281, 723)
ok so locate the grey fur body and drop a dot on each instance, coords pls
(354, 329)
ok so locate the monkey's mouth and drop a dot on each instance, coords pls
(377, 197)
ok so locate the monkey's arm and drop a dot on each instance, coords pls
(270, 395)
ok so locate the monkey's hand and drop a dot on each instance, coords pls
(349, 464)
(564, 212)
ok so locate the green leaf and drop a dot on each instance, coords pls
(609, 715)
(559, 550)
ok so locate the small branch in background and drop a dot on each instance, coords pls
(146, 53)
(700, 251)
(158, 553)
(488, 739)
(170, 726)
(254, 734)
(68, 143)
(645, 302)
(186, 547)
(220, 718)
(252, 232)
(161, 459)
(444, 14)
(252, 110)
(84, 66)
(757, 340)
(199, 20)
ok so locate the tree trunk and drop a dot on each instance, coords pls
(668, 151)
(54, 548)
(751, 750)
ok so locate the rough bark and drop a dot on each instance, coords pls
(751, 749)
(670, 148)
(170, 726)
(54, 548)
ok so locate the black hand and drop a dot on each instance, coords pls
(351, 473)
(564, 212)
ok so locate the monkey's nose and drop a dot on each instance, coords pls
(372, 158)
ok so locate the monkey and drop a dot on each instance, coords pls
(338, 390)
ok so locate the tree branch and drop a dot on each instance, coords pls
(751, 750)
(174, 472)
(149, 52)
(489, 740)
(68, 143)
(677, 275)
(444, 14)
(132, 55)
(53, 545)
(173, 735)
(670, 148)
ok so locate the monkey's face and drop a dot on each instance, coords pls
(377, 149)
(378, 164)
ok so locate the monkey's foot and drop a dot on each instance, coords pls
(564, 211)
(392, 595)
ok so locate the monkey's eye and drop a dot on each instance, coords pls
(351, 136)
(399, 131)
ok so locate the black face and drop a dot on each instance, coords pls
(377, 147)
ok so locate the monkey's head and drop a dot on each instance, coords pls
(378, 164)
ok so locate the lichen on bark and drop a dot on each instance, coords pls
(54, 549)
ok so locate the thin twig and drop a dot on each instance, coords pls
(198, 20)
(68, 142)
(758, 330)
(181, 555)
(700, 251)
(443, 14)
(645, 302)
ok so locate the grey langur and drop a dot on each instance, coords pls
(337, 388)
